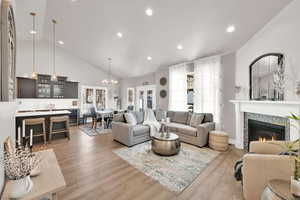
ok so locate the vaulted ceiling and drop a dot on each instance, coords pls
(89, 29)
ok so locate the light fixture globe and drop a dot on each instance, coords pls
(110, 81)
(54, 75)
(33, 32)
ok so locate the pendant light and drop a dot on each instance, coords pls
(54, 76)
(110, 81)
(33, 32)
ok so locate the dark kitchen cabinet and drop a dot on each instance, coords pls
(26, 88)
(44, 87)
(58, 87)
(71, 90)
(74, 117)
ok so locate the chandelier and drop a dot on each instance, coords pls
(110, 80)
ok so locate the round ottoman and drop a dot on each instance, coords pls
(218, 140)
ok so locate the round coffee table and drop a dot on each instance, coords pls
(165, 146)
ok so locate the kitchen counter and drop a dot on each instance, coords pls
(42, 113)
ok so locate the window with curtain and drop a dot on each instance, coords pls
(208, 87)
(178, 87)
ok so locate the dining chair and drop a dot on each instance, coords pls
(95, 117)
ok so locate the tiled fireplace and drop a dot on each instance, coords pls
(263, 119)
(265, 127)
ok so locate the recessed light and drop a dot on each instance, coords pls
(149, 58)
(230, 29)
(149, 12)
(73, 0)
(61, 42)
(179, 47)
(33, 32)
(119, 34)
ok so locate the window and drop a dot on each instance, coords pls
(190, 92)
(178, 87)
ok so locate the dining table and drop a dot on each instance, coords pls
(104, 114)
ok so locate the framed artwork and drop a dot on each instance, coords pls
(130, 96)
(89, 96)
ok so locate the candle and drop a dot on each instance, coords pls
(31, 135)
(168, 120)
(23, 129)
(19, 136)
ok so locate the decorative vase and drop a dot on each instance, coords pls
(21, 187)
(295, 187)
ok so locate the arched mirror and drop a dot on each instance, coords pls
(267, 77)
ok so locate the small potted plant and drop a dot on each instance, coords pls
(18, 166)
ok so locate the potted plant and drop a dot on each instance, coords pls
(294, 152)
(17, 166)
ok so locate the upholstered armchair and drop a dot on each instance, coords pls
(262, 165)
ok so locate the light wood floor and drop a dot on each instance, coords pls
(93, 171)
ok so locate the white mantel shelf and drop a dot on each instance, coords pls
(273, 108)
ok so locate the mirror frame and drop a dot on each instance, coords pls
(280, 57)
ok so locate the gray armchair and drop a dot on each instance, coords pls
(128, 134)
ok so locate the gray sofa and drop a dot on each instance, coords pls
(130, 135)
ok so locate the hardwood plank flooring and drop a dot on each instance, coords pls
(92, 171)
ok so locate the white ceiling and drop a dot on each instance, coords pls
(88, 29)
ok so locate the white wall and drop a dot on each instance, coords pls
(281, 35)
(133, 83)
(162, 103)
(67, 65)
(228, 65)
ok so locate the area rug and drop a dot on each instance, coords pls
(93, 132)
(174, 172)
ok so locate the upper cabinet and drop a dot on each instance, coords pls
(44, 87)
(71, 90)
(26, 88)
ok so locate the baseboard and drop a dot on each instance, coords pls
(231, 141)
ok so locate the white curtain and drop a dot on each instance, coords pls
(178, 87)
(208, 91)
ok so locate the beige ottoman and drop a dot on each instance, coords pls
(218, 140)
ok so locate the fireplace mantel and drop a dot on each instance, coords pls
(273, 108)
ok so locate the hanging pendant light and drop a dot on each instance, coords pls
(110, 80)
(33, 32)
(54, 76)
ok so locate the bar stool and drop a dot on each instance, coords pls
(35, 122)
(60, 119)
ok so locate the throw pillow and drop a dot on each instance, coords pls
(180, 117)
(196, 120)
(130, 118)
(139, 117)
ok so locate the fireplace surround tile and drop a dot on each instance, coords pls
(267, 119)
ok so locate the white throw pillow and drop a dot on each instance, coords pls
(196, 119)
(130, 118)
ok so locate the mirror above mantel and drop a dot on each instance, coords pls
(267, 78)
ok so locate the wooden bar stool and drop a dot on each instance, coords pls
(35, 122)
(60, 119)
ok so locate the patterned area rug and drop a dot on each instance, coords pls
(175, 172)
(92, 132)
